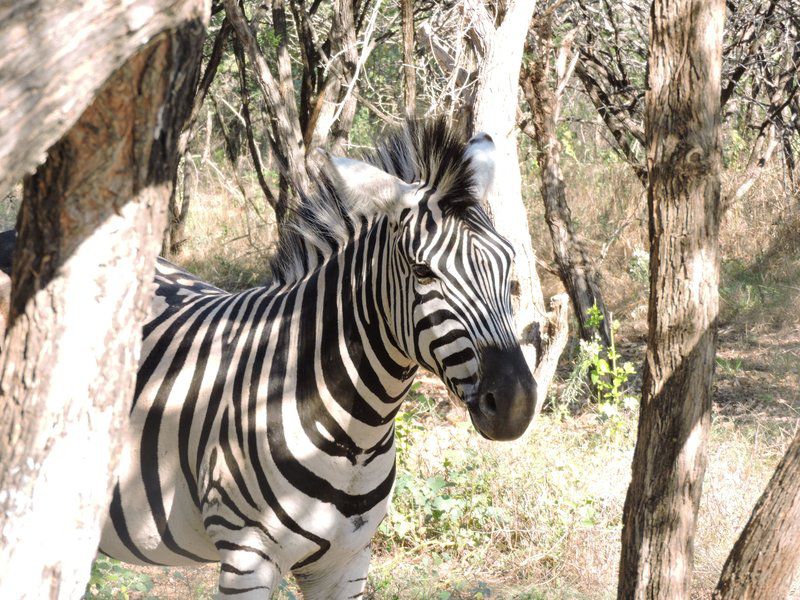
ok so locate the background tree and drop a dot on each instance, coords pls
(486, 100)
(682, 132)
(89, 227)
(761, 61)
(543, 79)
(409, 72)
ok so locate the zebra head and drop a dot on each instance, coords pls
(447, 292)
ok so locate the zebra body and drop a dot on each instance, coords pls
(261, 434)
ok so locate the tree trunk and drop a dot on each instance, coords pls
(495, 112)
(574, 267)
(766, 557)
(280, 103)
(409, 72)
(76, 46)
(344, 46)
(255, 155)
(684, 158)
(174, 234)
(179, 217)
(89, 227)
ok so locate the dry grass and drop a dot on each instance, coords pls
(561, 489)
(230, 236)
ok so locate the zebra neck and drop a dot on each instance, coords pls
(351, 376)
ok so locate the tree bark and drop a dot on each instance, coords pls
(766, 557)
(495, 112)
(343, 47)
(90, 227)
(280, 102)
(178, 218)
(327, 75)
(78, 44)
(551, 344)
(682, 118)
(255, 155)
(174, 234)
(409, 72)
(574, 267)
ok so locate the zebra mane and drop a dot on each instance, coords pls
(429, 151)
(324, 220)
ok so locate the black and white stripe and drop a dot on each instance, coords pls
(262, 433)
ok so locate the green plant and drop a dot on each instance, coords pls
(286, 591)
(607, 374)
(729, 366)
(111, 580)
(407, 421)
(448, 510)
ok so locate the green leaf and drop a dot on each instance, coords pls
(436, 483)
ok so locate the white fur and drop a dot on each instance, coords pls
(481, 154)
(368, 185)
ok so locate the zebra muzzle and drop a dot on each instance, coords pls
(503, 407)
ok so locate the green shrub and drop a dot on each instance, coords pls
(607, 375)
(111, 580)
(447, 511)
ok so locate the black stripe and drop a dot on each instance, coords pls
(120, 526)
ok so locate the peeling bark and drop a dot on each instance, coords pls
(90, 226)
(78, 45)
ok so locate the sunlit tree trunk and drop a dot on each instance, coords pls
(766, 557)
(684, 157)
(495, 112)
(90, 226)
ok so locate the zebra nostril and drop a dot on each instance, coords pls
(488, 405)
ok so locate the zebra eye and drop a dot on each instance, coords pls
(423, 273)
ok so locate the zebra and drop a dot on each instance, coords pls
(261, 434)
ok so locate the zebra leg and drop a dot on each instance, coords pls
(246, 573)
(345, 581)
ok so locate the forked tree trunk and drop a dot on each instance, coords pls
(684, 157)
(766, 557)
(279, 98)
(574, 267)
(90, 227)
(494, 112)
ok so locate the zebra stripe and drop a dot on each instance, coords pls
(262, 431)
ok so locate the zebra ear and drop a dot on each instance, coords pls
(363, 183)
(480, 153)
